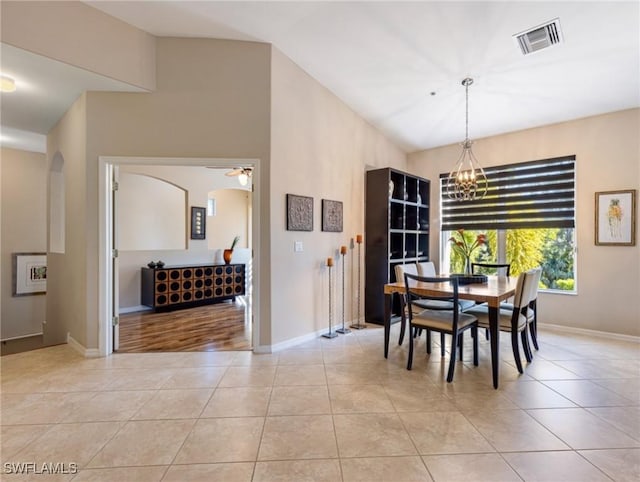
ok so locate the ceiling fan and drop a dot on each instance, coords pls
(243, 173)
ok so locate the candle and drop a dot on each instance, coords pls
(359, 238)
(329, 261)
(343, 250)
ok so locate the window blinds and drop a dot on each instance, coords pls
(536, 194)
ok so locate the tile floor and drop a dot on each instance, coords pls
(328, 410)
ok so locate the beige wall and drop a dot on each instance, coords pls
(233, 209)
(23, 205)
(607, 150)
(319, 148)
(68, 272)
(79, 35)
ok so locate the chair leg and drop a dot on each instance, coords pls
(403, 326)
(486, 333)
(525, 345)
(516, 350)
(533, 326)
(410, 358)
(460, 343)
(429, 342)
(452, 359)
(474, 334)
(441, 344)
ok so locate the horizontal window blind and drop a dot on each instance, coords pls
(536, 194)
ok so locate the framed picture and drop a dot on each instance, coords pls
(299, 213)
(29, 274)
(332, 216)
(198, 222)
(616, 218)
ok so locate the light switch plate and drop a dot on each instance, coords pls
(297, 247)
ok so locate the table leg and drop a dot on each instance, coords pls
(387, 323)
(494, 333)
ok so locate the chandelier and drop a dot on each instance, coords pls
(467, 181)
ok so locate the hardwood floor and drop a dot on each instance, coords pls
(218, 327)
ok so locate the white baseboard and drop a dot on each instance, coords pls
(584, 331)
(133, 309)
(85, 352)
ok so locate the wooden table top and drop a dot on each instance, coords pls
(495, 290)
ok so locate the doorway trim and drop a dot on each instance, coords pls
(105, 247)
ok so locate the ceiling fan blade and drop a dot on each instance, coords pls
(235, 172)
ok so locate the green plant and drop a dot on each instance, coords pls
(463, 245)
(235, 241)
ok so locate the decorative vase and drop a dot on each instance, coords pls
(226, 255)
(467, 266)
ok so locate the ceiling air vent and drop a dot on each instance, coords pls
(540, 37)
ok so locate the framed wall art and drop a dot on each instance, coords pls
(29, 274)
(332, 216)
(198, 222)
(616, 218)
(299, 213)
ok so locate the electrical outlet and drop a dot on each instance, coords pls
(297, 247)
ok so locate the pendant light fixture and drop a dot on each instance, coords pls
(467, 181)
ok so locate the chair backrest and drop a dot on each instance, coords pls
(411, 281)
(521, 296)
(427, 268)
(536, 273)
(492, 267)
(401, 269)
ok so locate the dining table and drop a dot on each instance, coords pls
(495, 290)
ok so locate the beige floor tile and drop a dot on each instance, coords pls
(554, 467)
(248, 358)
(40, 408)
(207, 358)
(298, 437)
(16, 437)
(533, 394)
(137, 474)
(418, 398)
(70, 442)
(201, 377)
(300, 375)
(139, 378)
(583, 430)
(249, 376)
(625, 387)
(109, 406)
(470, 468)
(345, 355)
(625, 419)
(238, 402)
(301, 357)
(352, 375)
(222, 440)
(144, 443)
(622, 465)
(547, 370)
(235, 472)
(173, 404)
(444, 433)
(327, 470)
(359, 399)
(505, 429)
(586, 393)
(385, 469)
(590, 368)
(372, 435)
(302, 400)
(483, 401)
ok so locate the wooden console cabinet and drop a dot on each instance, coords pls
(176, 287)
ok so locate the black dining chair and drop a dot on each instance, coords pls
(493, 268)
(443, 320)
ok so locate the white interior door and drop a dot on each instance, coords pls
(115, 299)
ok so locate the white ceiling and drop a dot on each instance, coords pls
(384, 59)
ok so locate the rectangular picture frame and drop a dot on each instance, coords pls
(299, 213)
(29, 274)
(198, 222)
(331, 216)
(615, 213)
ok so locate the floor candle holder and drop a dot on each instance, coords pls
(330, 333)
(357, 325)
(343, 330)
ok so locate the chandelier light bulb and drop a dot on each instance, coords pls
(243, 179)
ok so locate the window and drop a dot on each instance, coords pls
(528, 217)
